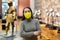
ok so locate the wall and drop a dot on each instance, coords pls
(32, 5)
(22, 4)
(0, 8)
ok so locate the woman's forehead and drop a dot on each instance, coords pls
(26, 9)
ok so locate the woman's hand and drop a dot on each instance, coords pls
(37, 33)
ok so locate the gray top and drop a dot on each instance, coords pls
(27, 28)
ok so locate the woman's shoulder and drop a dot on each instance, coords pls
(36, 20)
(22, 21)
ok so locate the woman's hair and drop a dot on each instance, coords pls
(23, 18)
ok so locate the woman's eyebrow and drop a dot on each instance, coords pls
(27, 10)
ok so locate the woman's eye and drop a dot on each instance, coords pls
(28, 11)
(25, 11)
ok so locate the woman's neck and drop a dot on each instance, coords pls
(29, 20)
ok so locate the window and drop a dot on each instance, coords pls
(4, 7)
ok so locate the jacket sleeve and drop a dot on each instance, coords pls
(23, 33)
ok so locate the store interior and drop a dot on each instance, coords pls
(47, 12)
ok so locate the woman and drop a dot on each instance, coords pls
(29, 27)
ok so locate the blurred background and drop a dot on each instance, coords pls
(46, 11)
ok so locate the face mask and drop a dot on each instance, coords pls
(27, 15)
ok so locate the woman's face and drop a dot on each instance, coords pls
(27, 13)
